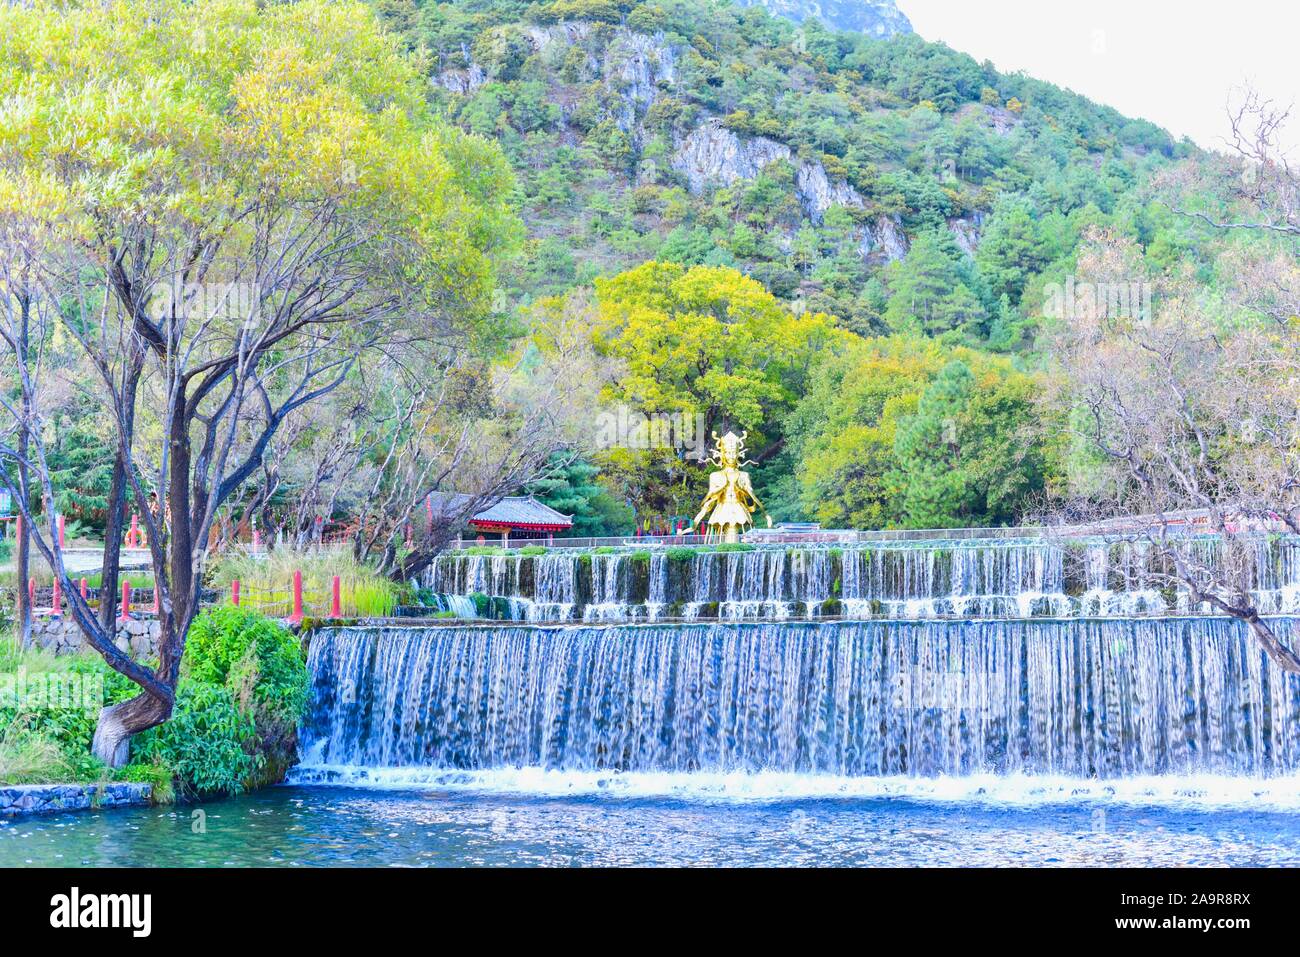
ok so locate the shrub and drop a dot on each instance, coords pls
(481, 550)
(159, 775)
(256, 658)
(234, 724)
(209, 744)
(262, 666)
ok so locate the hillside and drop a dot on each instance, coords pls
(812, 160)
(876, 18)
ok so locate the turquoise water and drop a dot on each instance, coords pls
(455, 825)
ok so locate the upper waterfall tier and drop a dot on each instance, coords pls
(1083, 698)
(988, 579)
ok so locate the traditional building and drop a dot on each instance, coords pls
(520, 516)
(515, 516)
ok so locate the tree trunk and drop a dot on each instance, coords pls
(1281, 655)
(115, 523)
(119, 722)
(22, 558)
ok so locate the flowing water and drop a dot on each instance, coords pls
(985, 579)
(989, 703)
(1086, 698)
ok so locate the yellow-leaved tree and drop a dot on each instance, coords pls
(710, 344)
(226, 206)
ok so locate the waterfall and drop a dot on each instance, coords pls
(1085, 697)
(902, 581)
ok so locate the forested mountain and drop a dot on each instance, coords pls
(813, 161)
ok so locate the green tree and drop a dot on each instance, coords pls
(927, 293)
(969, 454)
(576, 490)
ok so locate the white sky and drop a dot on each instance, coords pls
(1174, 62)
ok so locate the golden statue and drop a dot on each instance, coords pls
(731, 501)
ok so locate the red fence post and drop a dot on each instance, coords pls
(61, 535)
(336, 600)
(157, 605)
(234, 592)
(85, 590)
(56, 603)
(296, 617)
(133, 536)
(31, 595)
(126, 600)
(257, 540)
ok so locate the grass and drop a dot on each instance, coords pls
(28, 757)
(266, 582)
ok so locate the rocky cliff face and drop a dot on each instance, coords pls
(712, 155)
(635, 66)
(877, 18)
(637, 69)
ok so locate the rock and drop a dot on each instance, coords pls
(565, 34)
(883, 240)
(876, 18)
(462, 81)
(711, 153)
(635, 65)
(966, 234)
(818, 192)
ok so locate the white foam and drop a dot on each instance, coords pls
(1021, 790)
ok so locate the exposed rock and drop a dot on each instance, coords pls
(818, 192)
(635, 65)
(999, 119)
(966, 234)
(711, 153)
(566, 33)
(877, 18)
(883, 240)
(463, 81)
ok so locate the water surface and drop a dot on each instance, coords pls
(471, 825)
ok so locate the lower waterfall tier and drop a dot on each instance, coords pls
(1086, 698)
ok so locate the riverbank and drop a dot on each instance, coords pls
(23, 799)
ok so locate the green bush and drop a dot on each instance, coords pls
(255, 657)
(261, 665)
(159, 775)
(209, 743)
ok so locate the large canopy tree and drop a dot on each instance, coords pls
(702, 341)
(225, 206)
